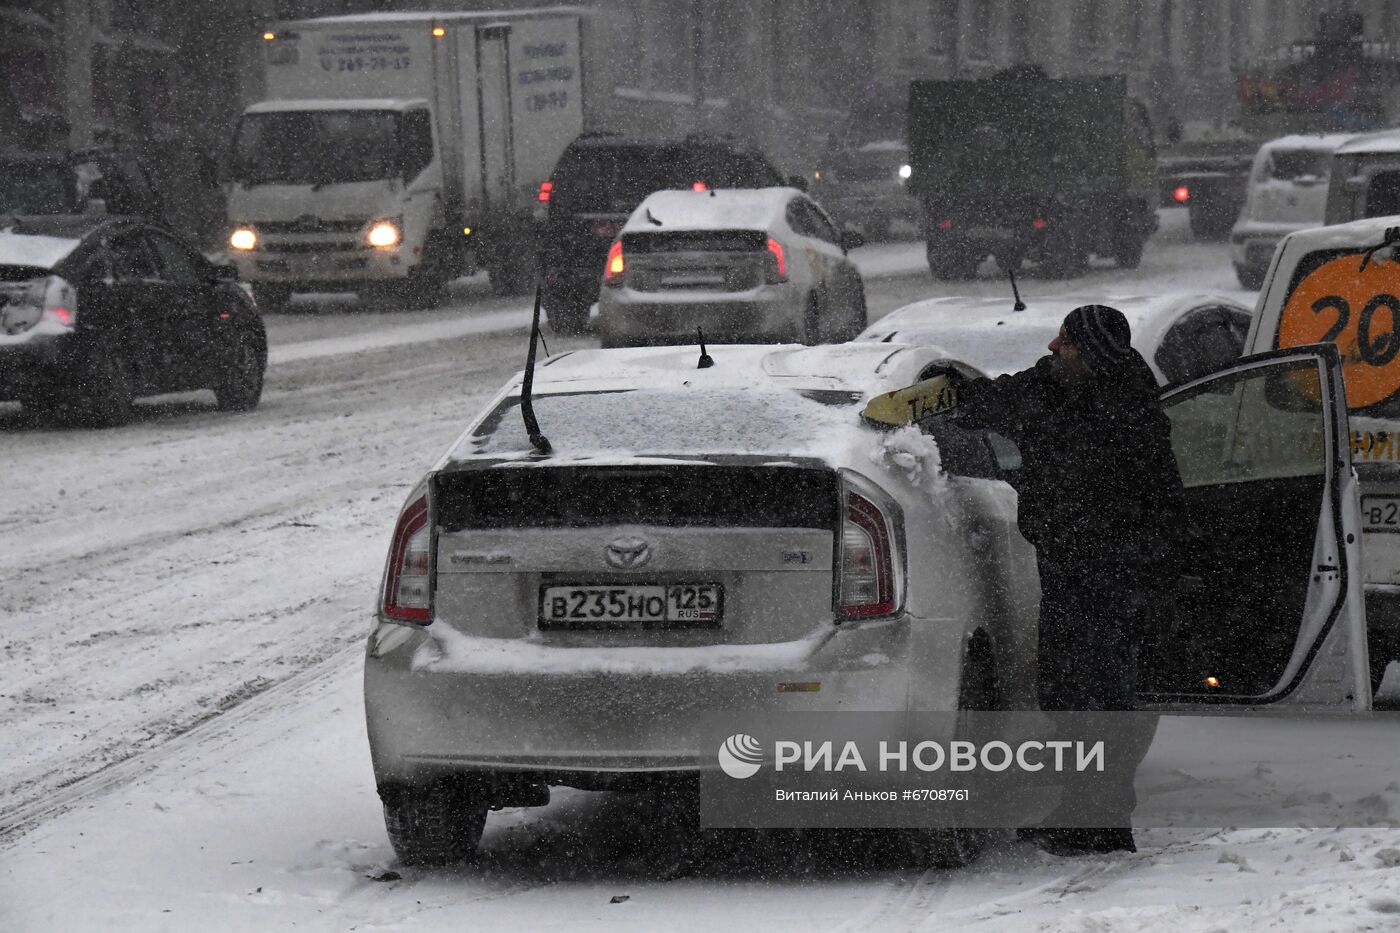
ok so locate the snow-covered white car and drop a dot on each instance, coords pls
(1287, 191)
(1182, 336)
(760, 265)
(694, 540)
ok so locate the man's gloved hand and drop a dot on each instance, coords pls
(932, 396)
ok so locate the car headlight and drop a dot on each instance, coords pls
(243, 239)
(384, 233)
(904, 172)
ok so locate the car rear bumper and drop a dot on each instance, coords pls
(43, 364)
(1252, 244)
(771, 312)
(570, 710)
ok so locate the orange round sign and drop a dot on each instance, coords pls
(1357, 309)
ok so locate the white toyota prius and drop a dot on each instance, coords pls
(676, 539)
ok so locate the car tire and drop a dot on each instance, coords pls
(1064, 257)
(514, 275)
(1381, 656)
(241, 379)
(568, 321)
(271, 297)
(434, 824)
(1127, 249)
(107, 387)
(1251, 277)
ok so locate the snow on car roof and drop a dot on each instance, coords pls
(365, 103)
(987, 333)
(716, 209)
(1381, 141)
(391, 18)
(27, 249)
(1322, 142)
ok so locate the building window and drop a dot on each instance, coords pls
(944, 15)
(1090, 28)
(979, 36)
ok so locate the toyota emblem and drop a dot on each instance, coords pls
(628, 553)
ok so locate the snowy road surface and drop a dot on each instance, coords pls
(180, 621)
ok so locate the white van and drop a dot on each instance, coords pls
(1339, 284)
(1365, 178)
(1287, 191)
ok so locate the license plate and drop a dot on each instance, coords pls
(693, 278)
(989, 233)
(1380, 513)
(674, 604)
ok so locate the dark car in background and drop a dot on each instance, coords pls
(85, 181)
(599, 180)
(97, 311)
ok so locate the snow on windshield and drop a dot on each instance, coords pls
(31, 250)
(675, 421)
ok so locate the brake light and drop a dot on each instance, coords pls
(616, 266)
(778, 271)
(1039, 223)
(408, 579)
(1182, 194)
(546, 189)
(945, 224)
(869, 582)
(58, 303)
(699, 186)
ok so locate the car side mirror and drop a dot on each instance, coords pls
(797, 181)
(223, 272)
(850, 240)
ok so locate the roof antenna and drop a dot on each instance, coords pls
(706, 361)
(527, 407)
(1019, 305)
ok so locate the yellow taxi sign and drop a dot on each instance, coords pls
(911, 403)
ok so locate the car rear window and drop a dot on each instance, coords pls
(1299, 164)
(615, 179)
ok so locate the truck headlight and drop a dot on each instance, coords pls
(384, 233)
(243, 239)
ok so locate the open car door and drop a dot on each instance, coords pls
(1269, 608)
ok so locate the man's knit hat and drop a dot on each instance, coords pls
(1100, 333)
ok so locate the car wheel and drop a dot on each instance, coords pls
(1127, 249)
(271, 296)
(515, 275)
(435, 824)
(1381, 656)
(568, 321)
(1251, 277)
(241, 381)
(1064, 258)
(107, 388)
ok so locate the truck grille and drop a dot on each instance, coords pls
(310, 225)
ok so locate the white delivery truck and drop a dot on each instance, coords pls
(397, 151)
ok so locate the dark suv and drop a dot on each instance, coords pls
(600, 180)
(86, 181)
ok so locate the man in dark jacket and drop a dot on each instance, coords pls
(1100, 499)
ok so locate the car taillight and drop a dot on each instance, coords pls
(945, 224)
(546, 189)
(615, 268)
(1039, 223)
(60, 303)
(1182, 194)
(870, 563)
(408, 581)
(699, 186)
(777, 272)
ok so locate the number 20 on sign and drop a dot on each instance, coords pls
(1358, 310)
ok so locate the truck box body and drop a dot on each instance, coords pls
(505, 96)
(1020, 164)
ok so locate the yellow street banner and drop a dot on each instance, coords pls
(907, 405)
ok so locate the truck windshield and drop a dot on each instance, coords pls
(1299, 164)
(316, 147)
(33, 188)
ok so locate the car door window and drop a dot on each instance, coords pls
(1202, 341)
(132, 259)
(826, 230)
(178, 264)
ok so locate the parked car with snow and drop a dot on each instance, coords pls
(1287, 191)
(696, 539)
(1339, 284)
(866, 187)
(95, 312)
(1365, 179)
(758, 265)
(1182, 336)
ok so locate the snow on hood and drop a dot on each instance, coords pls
(23, 249)
(716, 209)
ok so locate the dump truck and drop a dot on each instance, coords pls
(1024, 166)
